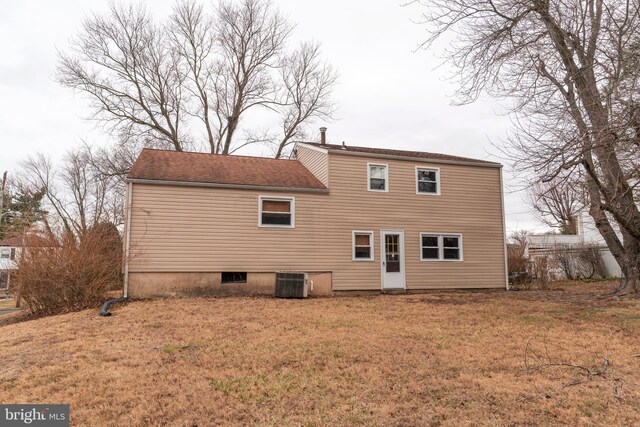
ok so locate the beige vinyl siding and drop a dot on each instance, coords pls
(196, 229)
(470, 204)
(316, 161)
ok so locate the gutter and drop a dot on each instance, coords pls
(230, 186)
(504, 234)
(415, 159)
(127, 241)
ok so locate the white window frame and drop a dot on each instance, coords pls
(440, 237)
(292, 210)
(386, 177)
(5, 251)
(437, 171)
(353, 246)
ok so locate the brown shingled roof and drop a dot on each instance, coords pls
(401, 153)
(161, 165)
(31, 239)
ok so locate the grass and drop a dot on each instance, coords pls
(440, 358)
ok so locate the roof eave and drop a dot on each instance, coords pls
(312, 147)
(228, 186)
(414, 159)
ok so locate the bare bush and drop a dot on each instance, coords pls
(581, 261)
(517, 260)
(565, 260)
(590, 264)
(540, 270)
(59, 275)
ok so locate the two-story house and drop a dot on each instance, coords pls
(354, 218)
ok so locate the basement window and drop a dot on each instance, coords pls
(362, 246)
(233, 277)
(277, 212)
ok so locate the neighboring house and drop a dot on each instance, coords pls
(9, 253)
(10, 250)
(550, 245)
(354, 218)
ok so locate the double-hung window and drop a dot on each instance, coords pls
(363, 245)
(277, 212)
(427, 181)
(440, 247)
(5, 253)
(378, 177)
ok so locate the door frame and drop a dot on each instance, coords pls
(383, 257)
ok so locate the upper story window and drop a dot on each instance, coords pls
(277, 212)
(13, 253)
(363, 245)
(427, 181)
(5, 253)
(378, 177)
(440, 247)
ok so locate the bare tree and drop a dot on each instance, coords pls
(251, 35)
(307, 84)
(570, 69)
(192, 37)
(133, 79)
(77, 195)
(557, 203)
(188, 82)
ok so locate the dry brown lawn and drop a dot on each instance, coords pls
(441, 358)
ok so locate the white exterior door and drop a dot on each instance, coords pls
(392, 259)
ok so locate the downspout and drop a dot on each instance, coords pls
(127, 239)
(504, 234)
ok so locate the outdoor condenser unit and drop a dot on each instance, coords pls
(293, 284)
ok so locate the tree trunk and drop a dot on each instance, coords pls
(279, 153)
(630, 284)
(232, 124)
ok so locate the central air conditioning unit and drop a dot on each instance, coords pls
(293, 284)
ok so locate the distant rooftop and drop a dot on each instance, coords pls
(33, 240)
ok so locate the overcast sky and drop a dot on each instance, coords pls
(389, 95)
